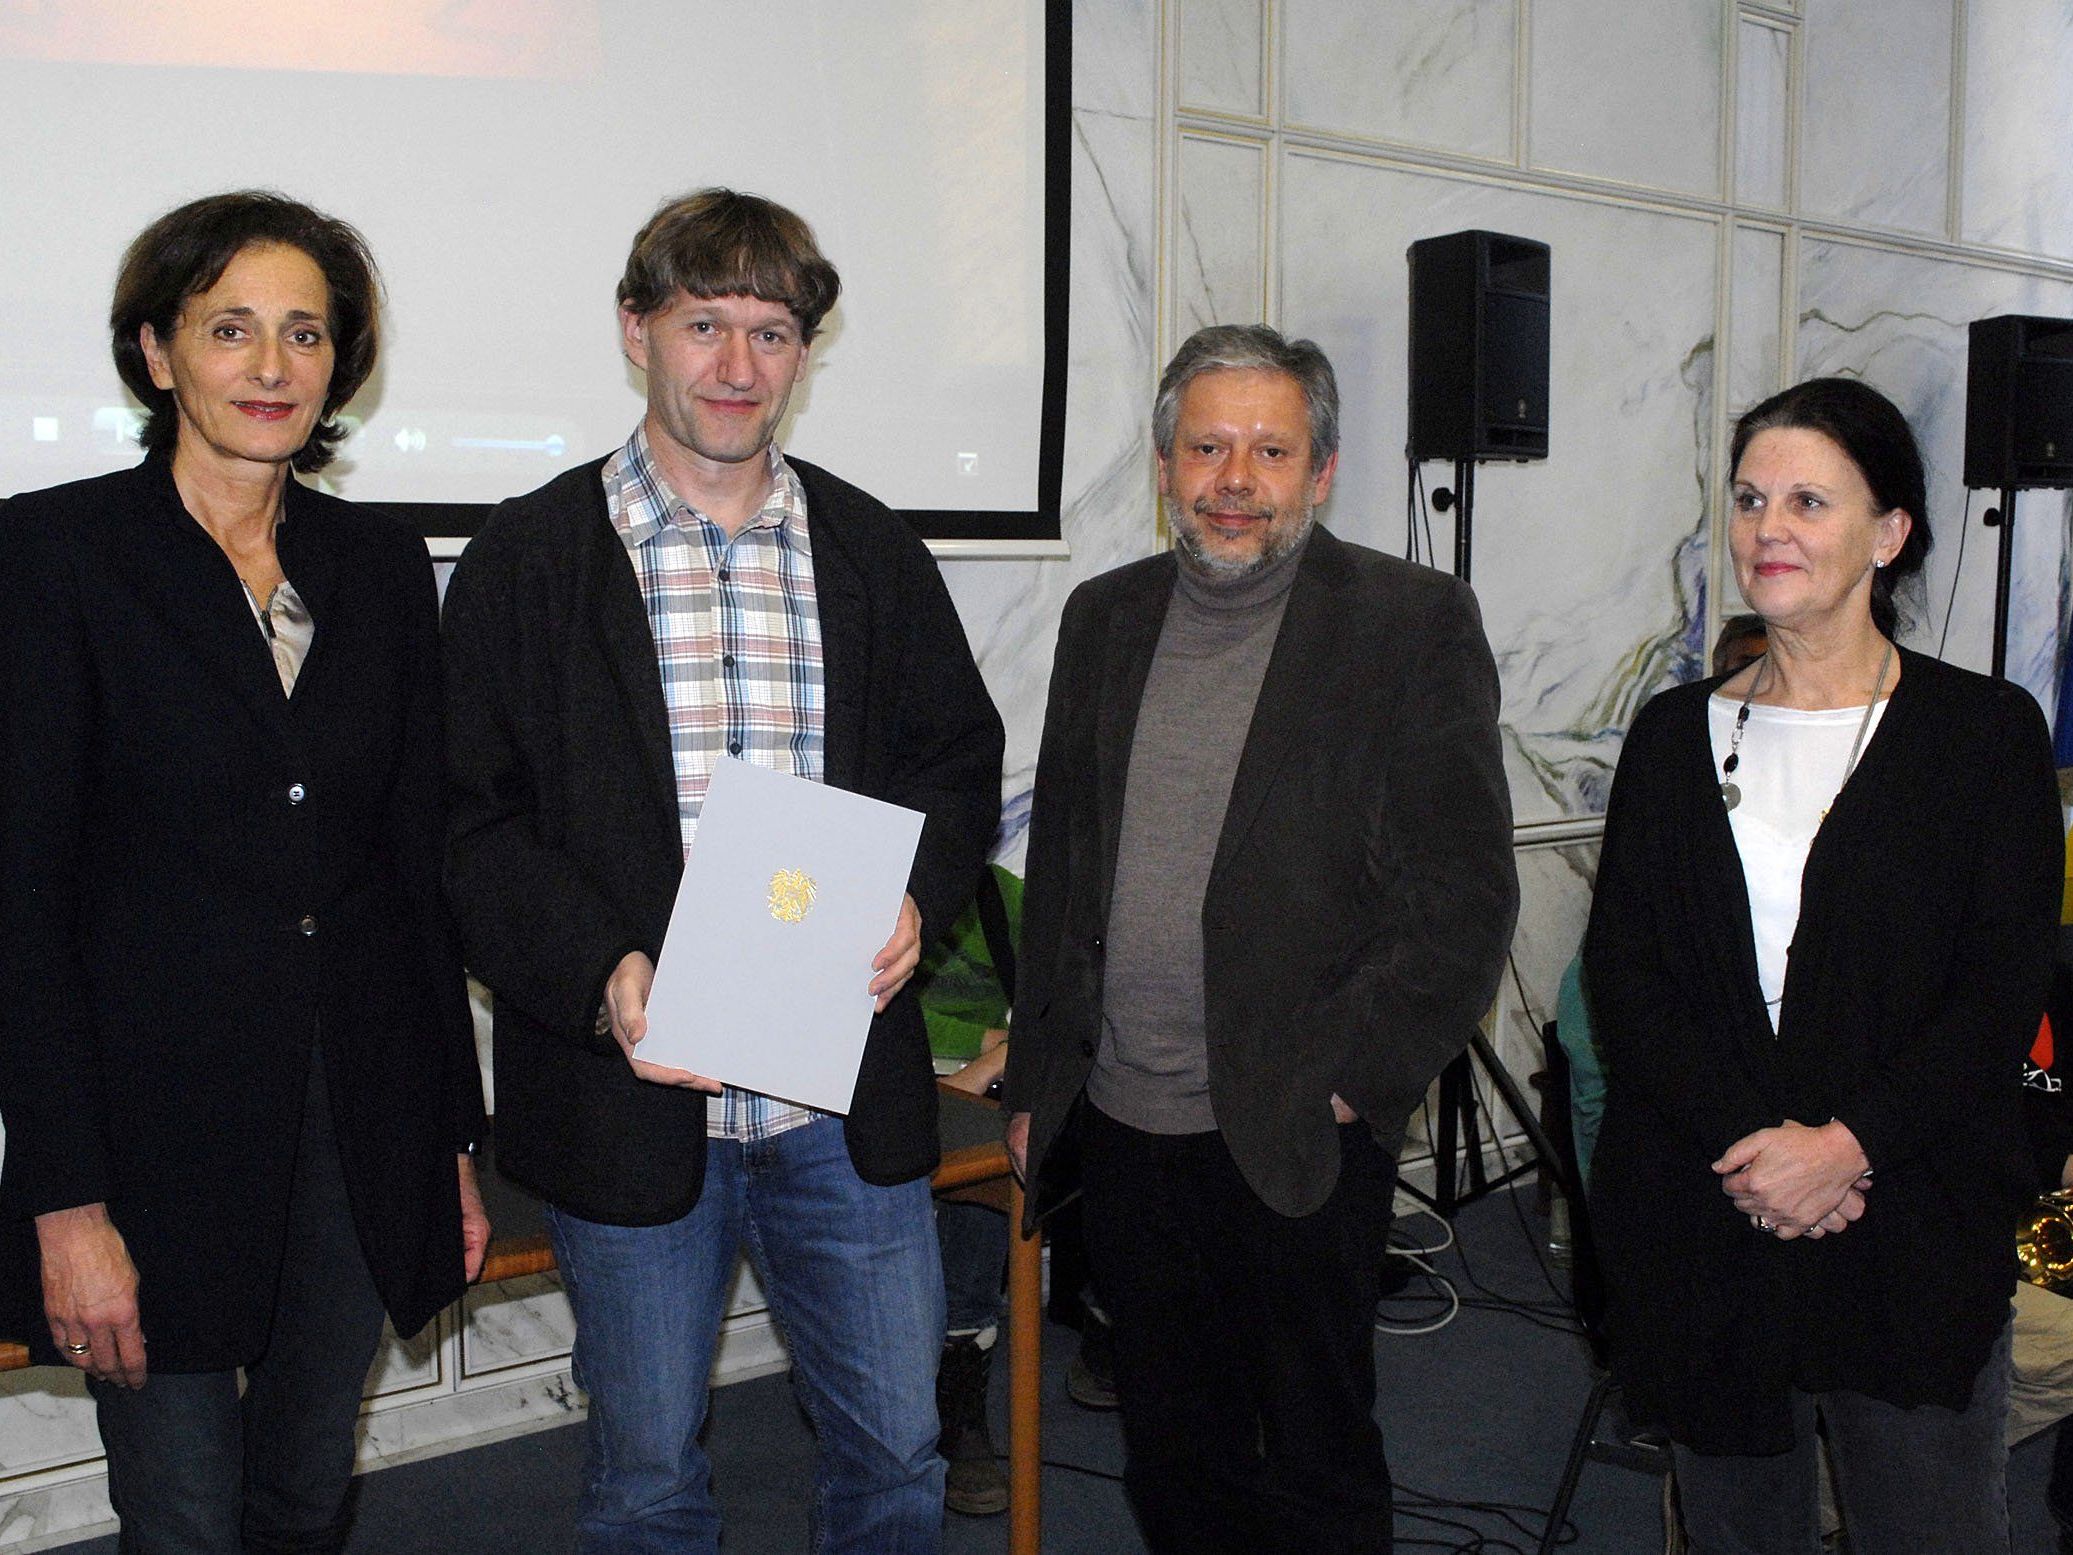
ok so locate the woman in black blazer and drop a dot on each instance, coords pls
(1819, 949)
(236, 1069)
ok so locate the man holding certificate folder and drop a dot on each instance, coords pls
(611, 637)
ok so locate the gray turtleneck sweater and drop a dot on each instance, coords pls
(1152, 1068)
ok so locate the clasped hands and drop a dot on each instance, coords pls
(625, 1010)
(1794, 1181)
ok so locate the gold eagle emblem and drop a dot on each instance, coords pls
(791, 895)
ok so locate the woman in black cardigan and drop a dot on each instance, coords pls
(236, 1068)
(1818, 951)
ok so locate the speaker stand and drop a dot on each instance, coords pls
(2002, 518)
(1462, 498)
(1457, 1113)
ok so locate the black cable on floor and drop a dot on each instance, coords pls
(1526, 1521)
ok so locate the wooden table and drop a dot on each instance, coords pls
(974, 1166)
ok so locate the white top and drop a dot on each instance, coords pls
(1792, 767)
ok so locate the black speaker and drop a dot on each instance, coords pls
(1479, 347)
(2019, 403)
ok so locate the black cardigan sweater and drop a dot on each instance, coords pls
(565, 851)
(1919, 970)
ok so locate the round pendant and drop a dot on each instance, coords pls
(1730, 795)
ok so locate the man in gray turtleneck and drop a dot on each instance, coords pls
(1270, 891)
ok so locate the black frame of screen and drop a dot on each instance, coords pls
(461, 520)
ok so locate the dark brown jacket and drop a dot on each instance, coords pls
(1362, 898)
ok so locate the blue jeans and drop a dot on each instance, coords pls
(1921, 1481)
(854, 1281)
(974, 1239)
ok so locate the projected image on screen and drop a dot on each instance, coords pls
(373, 37)
(499, 158)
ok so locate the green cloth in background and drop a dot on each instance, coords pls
(1586, 1063)
(961, 994)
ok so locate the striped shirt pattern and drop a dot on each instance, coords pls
(738, 640)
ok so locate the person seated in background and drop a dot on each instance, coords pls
(1742, 641)
(965, 985)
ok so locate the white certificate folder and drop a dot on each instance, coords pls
(791, 890)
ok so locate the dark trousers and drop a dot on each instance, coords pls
(195, 1470)
(1245, 1351)
(1921, 1481)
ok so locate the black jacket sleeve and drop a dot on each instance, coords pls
(49, 1097)
(535, 926)
(1447, 830)
(946, 754)
(1638, 1005)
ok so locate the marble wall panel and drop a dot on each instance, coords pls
(2017, 178)
(401, 1435)
(1221, 56)
(46, 1422)
(1875, 120)
(1629, 92)
(401, 1365)
(1435, 74)
(1590, 565)
(1010, 608)
(1217, 270)
(1759, 270)
(1899, 321)
(56, 1515)
(515, 1323)
(1763, 96)
(1555, 901)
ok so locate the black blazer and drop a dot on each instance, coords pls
(1919, 971)
(565, 849)
(201, 881)
(1362, 897)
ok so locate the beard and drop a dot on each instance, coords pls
(1283, 533)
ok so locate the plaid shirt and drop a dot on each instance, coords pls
(738, 639)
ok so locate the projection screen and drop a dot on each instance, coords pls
(500, 154)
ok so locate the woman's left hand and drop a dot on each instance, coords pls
(474, 1221)
(1794, 1177)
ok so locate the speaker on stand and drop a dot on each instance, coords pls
(1478, 392)
(2018, 428)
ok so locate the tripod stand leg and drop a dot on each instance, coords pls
(1471, 1134)
(1527, 1119)
(1454, 1080)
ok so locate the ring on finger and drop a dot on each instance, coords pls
(77, 1349)
(1764, 1225)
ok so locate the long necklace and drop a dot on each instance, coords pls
(1731, 792)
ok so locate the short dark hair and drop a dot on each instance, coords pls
(1735, 629)
(1870, 429)
(1254, 348)
(722, 243)
(186, 251)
